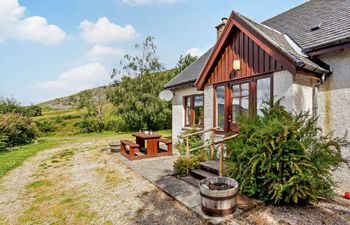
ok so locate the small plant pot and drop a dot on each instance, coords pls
(347, 195)
(218, 195)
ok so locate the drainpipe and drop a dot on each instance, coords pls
(314, 94)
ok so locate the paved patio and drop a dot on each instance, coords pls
(160, 172)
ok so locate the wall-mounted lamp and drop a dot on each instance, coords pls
(236, 65)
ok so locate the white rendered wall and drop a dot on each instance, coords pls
(283, 88)
(334, 106)
(178, 111)
(295, 91)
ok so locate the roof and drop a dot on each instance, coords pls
(190, 74)
(287, 45)
(310, 26)
(331, 16)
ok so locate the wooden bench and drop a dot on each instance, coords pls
(169, 144)
(115, 147)
(133, 148)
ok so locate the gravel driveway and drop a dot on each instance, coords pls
(80, 184)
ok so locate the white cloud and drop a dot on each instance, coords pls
(195, 52)
(35, 28)
(144, 2)
(104, 31)
(74, 80)
(99, 52)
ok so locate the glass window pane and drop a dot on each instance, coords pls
(198, 110)
(263, 93)
(220, 106)
(188, 111)
(240, 100)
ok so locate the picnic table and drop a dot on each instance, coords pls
(148, 141)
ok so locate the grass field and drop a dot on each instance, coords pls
(15, 158)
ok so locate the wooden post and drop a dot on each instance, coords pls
(221, 159)
(187, 148)
(212, 144)
(187, 153)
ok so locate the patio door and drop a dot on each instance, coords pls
(247, 98)
(240, 104)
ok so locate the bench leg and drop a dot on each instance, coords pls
(132, 152)
(170, 149)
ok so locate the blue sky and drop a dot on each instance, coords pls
(55, 48)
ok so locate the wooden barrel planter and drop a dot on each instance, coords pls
(218, 195)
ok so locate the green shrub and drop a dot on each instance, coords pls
(115, 124)
(57, 119)
(33, 110)
(3, 140)
(281, 157)
(182, 166)
(17, 128)
(194, 141)
(88, 125)
(11, 105)
(45, 126)
(69, 117)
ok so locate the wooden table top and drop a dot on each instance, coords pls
(146, 136)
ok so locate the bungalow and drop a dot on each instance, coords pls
(301, 55)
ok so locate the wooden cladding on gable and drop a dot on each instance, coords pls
(253, 60)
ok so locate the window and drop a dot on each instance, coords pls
(243, 97)
(240, 100)
(220, 107)
(188, 111)
(263, 93)
(194, 110)
(198, 110)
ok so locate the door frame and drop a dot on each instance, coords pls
(252, 81)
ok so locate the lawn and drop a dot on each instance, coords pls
(15, 158)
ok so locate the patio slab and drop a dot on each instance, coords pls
(159, 171)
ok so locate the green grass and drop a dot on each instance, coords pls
(15, 158)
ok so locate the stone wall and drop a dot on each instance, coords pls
(208, 109)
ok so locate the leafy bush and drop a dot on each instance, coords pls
(11, 105)
(3, 140)
(8, 105)
(88, 125)
(69, 117)
(57, 119)
(17, 128)
(45, 126)
(182, 166)
(33, 111)
(115, 124)
(194, 141)
(281, 157)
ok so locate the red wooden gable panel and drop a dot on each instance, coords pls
(254, 60)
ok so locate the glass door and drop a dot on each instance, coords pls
(240, 103)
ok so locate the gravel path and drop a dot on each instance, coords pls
(80, 184)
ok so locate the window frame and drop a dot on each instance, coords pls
(191, 123)
(252, 81)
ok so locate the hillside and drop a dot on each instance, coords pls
(61, 116)
(67, 102)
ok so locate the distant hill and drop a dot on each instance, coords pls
(68, 102)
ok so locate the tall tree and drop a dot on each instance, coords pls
(93, 102)
(135, 94)
(184, 62)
